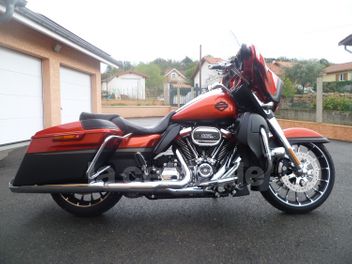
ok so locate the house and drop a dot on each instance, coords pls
(48, 75)
(207, 76)
(347, 41)
(126, 85)
(175, 82)
(338, 72)
(278, 67)
(174, 76)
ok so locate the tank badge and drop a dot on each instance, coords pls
(221, 106)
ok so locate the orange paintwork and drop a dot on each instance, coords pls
(299, 132)
(46, 140)
(140, 141)
(203, 108)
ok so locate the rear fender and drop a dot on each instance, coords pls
(303, 135)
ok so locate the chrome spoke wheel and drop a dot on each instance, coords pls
(84, 199)
(88, 204)
(298, 194)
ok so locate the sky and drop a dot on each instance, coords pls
(140, 31)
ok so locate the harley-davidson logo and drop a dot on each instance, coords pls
(221, 106)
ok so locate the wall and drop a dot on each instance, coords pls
(137, 111)
(331, 77)
(338, 132)
(20, 38)
(333, 117)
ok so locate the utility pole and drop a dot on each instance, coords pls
(319, 100)
(200, 68)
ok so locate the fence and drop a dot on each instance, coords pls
(331, 103)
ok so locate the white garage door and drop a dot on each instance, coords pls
(21, 97)
(75, 94)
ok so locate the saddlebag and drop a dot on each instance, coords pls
(61, 154)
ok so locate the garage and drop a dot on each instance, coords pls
(75, 94)
(21, 96)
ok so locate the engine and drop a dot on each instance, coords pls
(205, 148)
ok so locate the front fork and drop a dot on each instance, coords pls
(277, 130)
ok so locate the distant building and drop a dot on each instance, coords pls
(338, 72)
(126, 85)
(207, 76)
(347, 41)
(175, 76)
(278, 67)
(175, 80)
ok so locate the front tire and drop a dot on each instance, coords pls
(299, 195)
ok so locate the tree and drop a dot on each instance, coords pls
(304, 72)
(288, 89)
(154, 82)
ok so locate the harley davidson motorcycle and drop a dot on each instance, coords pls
(222, 143)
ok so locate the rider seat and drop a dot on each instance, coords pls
(130, 127)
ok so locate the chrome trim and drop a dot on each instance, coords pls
(90, 174)
(223, 174)
(225, 133)
(264, 136)
(206, 129)
(278, 152)
(281, 136)
(110, 186)
(185, 131)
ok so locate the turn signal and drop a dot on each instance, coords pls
(68, 137)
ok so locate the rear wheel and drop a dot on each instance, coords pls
(89, 204)
(86, 204)
(301, 194)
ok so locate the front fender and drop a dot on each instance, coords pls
(302, 135)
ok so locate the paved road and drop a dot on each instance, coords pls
(227, 230)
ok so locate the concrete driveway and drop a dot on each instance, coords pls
(33, 229)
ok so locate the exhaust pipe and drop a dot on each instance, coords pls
(109, 187)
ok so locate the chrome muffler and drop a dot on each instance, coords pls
(101, 186)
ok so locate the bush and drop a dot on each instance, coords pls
(337, 103)
(341, 87)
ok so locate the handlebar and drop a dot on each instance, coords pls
(216, 67)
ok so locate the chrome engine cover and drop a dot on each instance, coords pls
(206, 136)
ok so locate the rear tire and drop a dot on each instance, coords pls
(86, 204)
(290, 196)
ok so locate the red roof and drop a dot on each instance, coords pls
(339, 67)
(212, 60)
(278, 67)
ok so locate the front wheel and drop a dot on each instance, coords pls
(301, 194)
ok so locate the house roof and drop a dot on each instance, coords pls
(347, 41)
(131, 72)
(169, 71)
(211, 60)
(48, 27)
(278, 67)
(338, 67)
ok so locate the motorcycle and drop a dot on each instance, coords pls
(223, 143)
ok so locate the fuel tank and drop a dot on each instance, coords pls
(211, 106)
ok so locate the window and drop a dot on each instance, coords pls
(342, 76)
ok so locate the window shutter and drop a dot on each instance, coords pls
(345, 76)
(337, 76)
